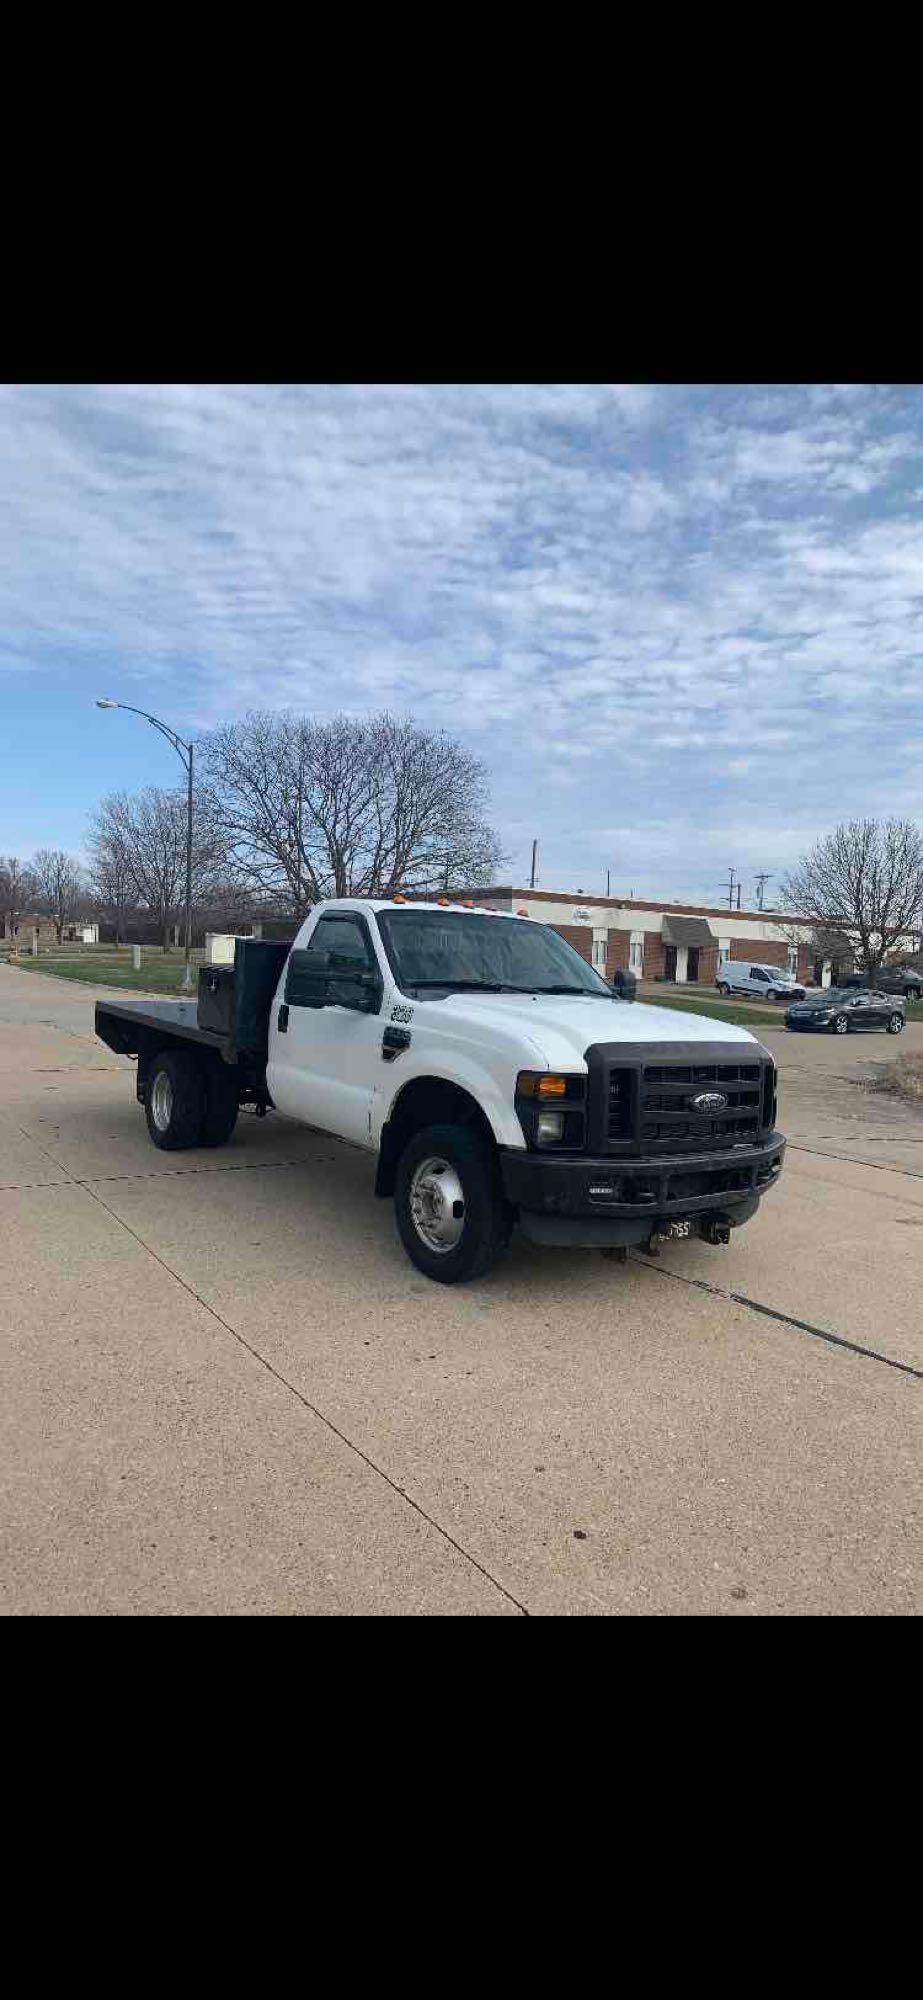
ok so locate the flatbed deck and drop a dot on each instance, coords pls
(118, 1023)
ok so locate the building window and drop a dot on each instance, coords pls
(599, 950)
(636, 953)
(724, 950)
(793, 958)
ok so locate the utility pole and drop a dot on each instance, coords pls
(729, 886)
(607, 881)
(738, 895)
(761, 881)
(534, 855)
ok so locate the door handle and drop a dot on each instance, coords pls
(282, 1020)
(393, 1041)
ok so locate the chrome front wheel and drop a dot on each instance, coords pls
(437, 1205)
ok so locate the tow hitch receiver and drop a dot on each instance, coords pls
(717, 1232)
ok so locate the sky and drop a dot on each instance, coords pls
(682, 626)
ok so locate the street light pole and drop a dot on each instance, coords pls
(184, 752)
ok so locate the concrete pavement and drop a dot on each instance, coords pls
(226, 1389)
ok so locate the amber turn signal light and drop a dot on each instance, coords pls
(529, 1083)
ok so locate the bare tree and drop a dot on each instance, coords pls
(57, 883)
(111, 876)
(864, 879)
(346, 807)
(17, 890)
(147, 835)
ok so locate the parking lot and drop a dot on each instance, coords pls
(225, 1389)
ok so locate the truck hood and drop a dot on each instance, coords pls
(561, 1028)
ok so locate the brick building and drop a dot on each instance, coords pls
(680, 942)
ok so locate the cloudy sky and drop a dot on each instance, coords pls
(683, 626)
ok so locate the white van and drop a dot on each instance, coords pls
(770, 982)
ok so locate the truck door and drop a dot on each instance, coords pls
(324, 1061)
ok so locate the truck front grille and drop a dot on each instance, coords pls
(652, 1104)
(619, 1104)
(671, 1123)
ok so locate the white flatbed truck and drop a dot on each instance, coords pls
(497, 1078)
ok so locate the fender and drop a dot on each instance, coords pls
(469, 1075)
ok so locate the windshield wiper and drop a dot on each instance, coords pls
(469, 985)
(499, 986)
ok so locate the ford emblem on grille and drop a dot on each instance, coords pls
(709, 1100)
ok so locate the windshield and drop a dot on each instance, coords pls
(433, 949)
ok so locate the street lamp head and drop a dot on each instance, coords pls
(106, 704)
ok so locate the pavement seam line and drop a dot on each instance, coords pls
(785, 1319)
(305, 1401)
(850, 1160)
(290, 1386)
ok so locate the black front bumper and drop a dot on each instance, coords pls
(601, 1201)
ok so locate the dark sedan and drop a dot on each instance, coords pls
(892, 979)
(841, 1010)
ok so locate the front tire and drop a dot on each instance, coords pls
(723, 990)
(896, 1024)
(451, 1213)
(174, 1101)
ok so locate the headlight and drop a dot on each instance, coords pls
(552, 1108)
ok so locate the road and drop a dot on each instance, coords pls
(226, 1390)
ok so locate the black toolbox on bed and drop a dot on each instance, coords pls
(216, 999)
(234, 1000)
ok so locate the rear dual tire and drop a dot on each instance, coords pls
(189, 1102)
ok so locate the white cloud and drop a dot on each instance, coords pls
(704, 595)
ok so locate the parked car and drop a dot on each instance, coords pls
(891, 979)
(841, 1011)
(770, 982)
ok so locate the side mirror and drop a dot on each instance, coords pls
(306, 979)
(321, 979)
(360, 991)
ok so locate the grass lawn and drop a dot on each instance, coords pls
(688, 1001)
(161, 972)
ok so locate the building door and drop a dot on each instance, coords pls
(669, 961)
(692, 965)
